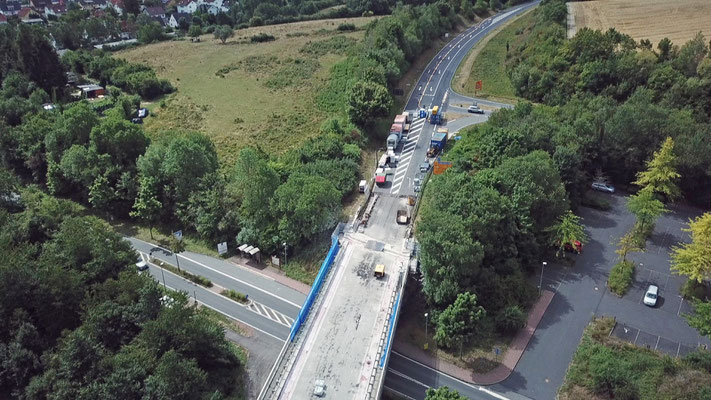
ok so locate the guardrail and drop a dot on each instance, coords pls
(325, 267)
(305, 309)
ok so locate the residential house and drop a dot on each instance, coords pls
(187, 6)
(25, 14)
(10, 7)
(92, 5)
(39, 5)
(210, 6)
(117, 5)
(154, 12)
(55, 10)
(174, 20)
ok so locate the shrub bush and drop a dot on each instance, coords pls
(620, 277)
(510, 320)
(234, 295)
(700, 359)
(346, 27)
(691, 289)
(262, 37)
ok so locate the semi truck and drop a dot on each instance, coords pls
(396, 131)
(380, 176)
(437, 143)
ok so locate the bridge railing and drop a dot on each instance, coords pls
(271, 385)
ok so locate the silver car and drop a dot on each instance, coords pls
(603, 187)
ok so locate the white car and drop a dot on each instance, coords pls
(650, 298)
(603, 187)
(475, 109)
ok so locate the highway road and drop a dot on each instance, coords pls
(404, 376)
(433, 88)
(220, 303)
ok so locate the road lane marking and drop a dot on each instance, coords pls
(213, 308)
(489, 392)
(228, 276)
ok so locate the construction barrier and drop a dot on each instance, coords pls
(325, 267)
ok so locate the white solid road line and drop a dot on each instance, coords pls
(229, 276)
(213, 308)
(480, 388)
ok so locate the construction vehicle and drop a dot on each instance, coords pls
(403, 217)
(437, 143)
(379, 271)
(435, 116)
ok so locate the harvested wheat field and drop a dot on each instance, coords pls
(679, 20)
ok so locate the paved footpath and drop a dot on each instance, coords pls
(511, 357)
(277, 274)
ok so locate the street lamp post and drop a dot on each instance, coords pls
(540, 285)
(426, 323)
(163, 275)
(284, 253)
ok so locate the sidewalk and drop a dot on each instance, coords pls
(510, 359)
(276, 274)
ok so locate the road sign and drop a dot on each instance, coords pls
(275, 261)
(497, 351)
(222, 248)
(178, 235)
(478, 85)
(439, 167)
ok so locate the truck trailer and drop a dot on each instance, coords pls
(437, 143)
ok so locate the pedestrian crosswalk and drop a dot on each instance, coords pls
(270, 313)
(406, 153)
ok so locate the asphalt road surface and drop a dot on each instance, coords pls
(433, 89)
(220, 303)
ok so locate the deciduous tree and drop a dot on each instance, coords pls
(694, 259)
(647, 208)
(661, 175)
(567, 231)
(443, 393)
(224, 32)
(147, 206)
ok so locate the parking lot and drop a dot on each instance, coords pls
(641, 338)
(662, 327)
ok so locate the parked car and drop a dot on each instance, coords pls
(424, 167)
(603, 187)
(474, 108)
(576, 247)
(142, 265)
(142, 112)
(650, 297)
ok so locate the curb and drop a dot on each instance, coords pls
(510, 359)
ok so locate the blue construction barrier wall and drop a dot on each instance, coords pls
(390, 331)
(316, 287)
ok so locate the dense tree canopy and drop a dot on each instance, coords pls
(80, 322)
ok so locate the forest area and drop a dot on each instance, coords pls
(600, 107)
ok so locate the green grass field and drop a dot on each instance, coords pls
(247, 94)
(487, 62)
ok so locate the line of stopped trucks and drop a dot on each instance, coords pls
(398, 131)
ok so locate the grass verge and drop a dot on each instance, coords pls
(200, 280)
(620, 277)
(477, 356)
(488, 60)
(605, 367)
(235, 295)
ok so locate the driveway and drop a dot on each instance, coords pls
(581, 294)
